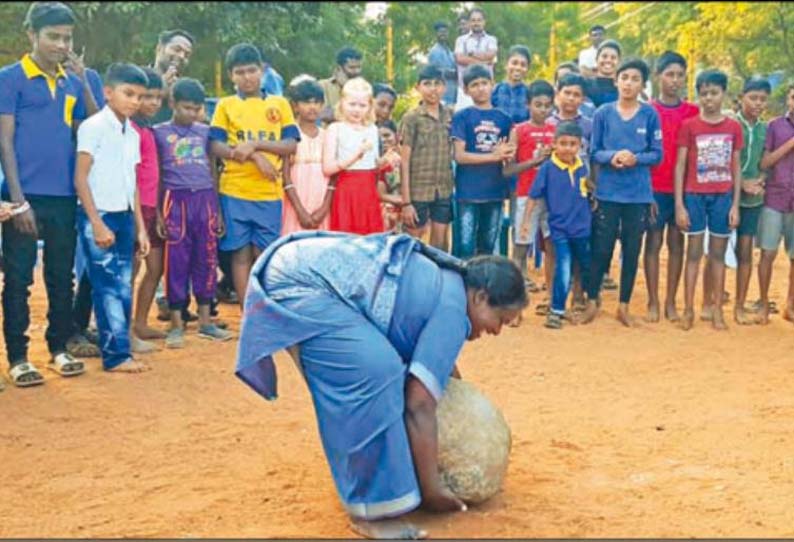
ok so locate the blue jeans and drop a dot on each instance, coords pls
(110, 272)
(479, 227)
(566, 252)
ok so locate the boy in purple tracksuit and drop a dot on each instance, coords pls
(189, 218)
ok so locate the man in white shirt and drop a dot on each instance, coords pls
(476, 47)
(108, 150)
(587, 57)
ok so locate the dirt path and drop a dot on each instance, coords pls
(617, 433)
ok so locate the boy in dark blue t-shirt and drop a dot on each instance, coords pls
(562, 183)
(479, 135)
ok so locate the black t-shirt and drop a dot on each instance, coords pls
(601, 90)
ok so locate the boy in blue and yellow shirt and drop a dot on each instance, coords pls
(562, 182)
(40, 104)
(252, 132)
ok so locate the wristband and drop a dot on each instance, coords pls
(25, 206)
(331, 188)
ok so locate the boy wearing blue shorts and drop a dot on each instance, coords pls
(707, 189)
(252, 132)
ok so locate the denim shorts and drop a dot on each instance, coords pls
(709, 211)
(247, 222)
(772, 225)
(665, 215)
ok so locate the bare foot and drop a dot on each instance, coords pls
(517, 321)
(741, 318)
(624, 317)
(388, 529)
(763, 315)
(130, 366)
(707, 313)
(671, 313)
(148, 333)
(653, 314)
(688, 319)
(789, 314)
(718, 320)
(590, 312)
(140, 346)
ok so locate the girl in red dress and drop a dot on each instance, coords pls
(350, 158)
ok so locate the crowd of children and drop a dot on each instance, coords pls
(583, 162)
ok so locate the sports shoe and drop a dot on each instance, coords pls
(214, 333)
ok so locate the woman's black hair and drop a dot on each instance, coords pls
(499, 278)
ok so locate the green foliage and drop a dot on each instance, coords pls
(744, 38)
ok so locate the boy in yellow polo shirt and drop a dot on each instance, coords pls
(252, 132)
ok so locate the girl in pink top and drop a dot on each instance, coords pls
(305, 184)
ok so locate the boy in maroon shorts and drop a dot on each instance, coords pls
(190, 212)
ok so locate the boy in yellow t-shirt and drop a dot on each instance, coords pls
(252, 133)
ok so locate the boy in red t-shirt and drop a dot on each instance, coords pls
(709, 148)
(148, 181)
(533, 140)
(673, 111)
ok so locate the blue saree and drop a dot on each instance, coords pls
(365, 312)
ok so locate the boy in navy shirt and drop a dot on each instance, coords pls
(627, 140)
(479, 135)
(562, 183)
(40, 103)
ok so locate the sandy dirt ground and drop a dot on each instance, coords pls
(617, 433)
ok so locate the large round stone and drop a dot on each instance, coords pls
(473, 443)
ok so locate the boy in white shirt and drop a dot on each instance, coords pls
(108, 149)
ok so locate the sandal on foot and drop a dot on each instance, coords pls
(66, 365)
(18, 372)
(609, 284)
(542, 309)
(81, 346)
(553, 321)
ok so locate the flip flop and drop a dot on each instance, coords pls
(81, 346)
(22, 369)
(66, 365)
